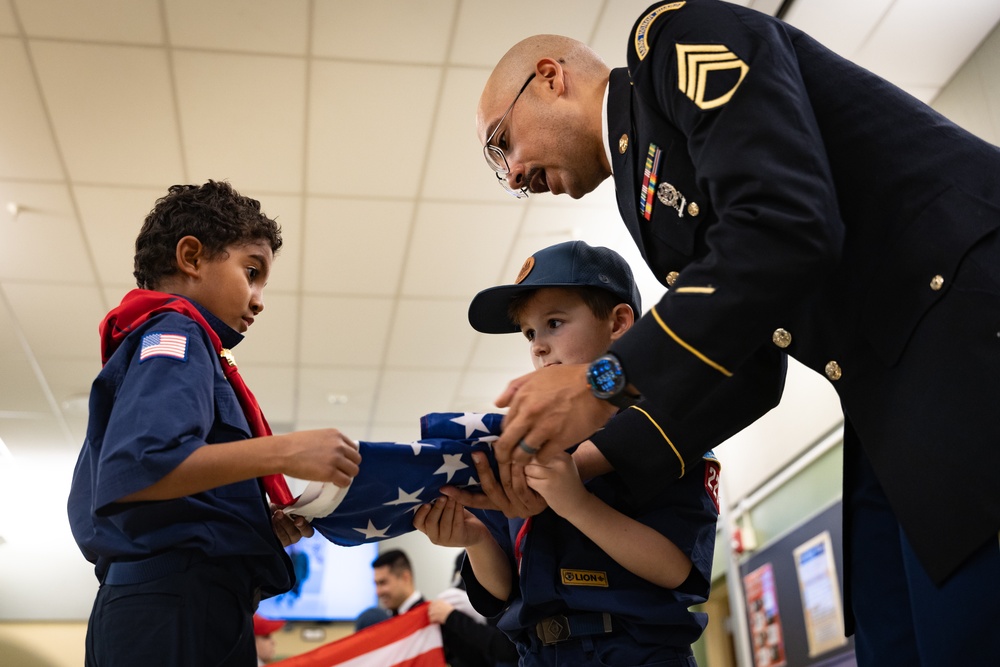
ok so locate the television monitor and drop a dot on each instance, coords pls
(334, 583)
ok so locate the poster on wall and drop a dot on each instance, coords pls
(765, 621)
(820, 593)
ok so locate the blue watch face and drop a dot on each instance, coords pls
(605, 376)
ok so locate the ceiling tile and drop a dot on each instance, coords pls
(336, 396)
(405, 396)
(843, 26)
(897, 48)
(383, 30)
(236, 109)
(125, 21)
(69, 380)
(458, 249)
(26, 146)
(259, 26)
(7, 24)
(112, 111)
(501, 352)
(611, 37)
(430, 334)
(355, 246)
(479, 389)
(21, 393)
(456, 168)
(286, 273)
(369, 144)
(31, 437)
(27, 250)
(112, 218)
(344, 331)
(486, 30)
(45, 328)
(274, 389)
(273, 337)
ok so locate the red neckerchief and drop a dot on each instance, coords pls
(522, 536)
(137, 307)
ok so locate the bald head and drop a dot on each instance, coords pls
(586, 66)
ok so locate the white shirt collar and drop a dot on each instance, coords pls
(409, 602)
(605, 128)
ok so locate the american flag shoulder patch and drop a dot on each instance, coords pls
(158, 344)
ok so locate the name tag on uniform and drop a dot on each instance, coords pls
(584, 578)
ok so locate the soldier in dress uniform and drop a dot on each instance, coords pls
(794, 204)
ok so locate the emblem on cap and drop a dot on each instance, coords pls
(526, 268)
(672, 197)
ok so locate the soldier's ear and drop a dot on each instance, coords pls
(552, 74)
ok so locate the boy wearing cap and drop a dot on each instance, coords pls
(597, 578)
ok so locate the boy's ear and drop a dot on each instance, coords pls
(190, 255)
(622, 319)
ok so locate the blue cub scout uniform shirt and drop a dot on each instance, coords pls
(148, 412)
(563, 572)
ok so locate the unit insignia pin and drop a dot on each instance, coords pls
(672, 197)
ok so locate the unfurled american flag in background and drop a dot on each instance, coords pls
(396, 478)
(407, 640)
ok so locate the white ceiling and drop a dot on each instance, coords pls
(352, 122)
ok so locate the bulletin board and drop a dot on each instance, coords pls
(794, 595)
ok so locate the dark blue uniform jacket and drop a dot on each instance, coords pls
(803, 206)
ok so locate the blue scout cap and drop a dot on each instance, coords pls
(569, 264)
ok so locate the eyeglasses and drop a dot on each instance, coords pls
(494, 154)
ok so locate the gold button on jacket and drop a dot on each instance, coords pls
(833, 370)
(781, 338)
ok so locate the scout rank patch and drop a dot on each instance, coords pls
(642, 30)
(665, 192)
(584, 578)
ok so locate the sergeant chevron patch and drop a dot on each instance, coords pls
(695, 64)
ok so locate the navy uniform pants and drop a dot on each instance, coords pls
(901, 617)
(613, 650)
(200, 616)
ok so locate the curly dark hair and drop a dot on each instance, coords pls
(214, 213)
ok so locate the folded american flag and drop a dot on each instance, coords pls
(396, 478)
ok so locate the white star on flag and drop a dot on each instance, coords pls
(452, 464)
(416, 445)
(371, 531)
(472, 421)
(405, 497)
